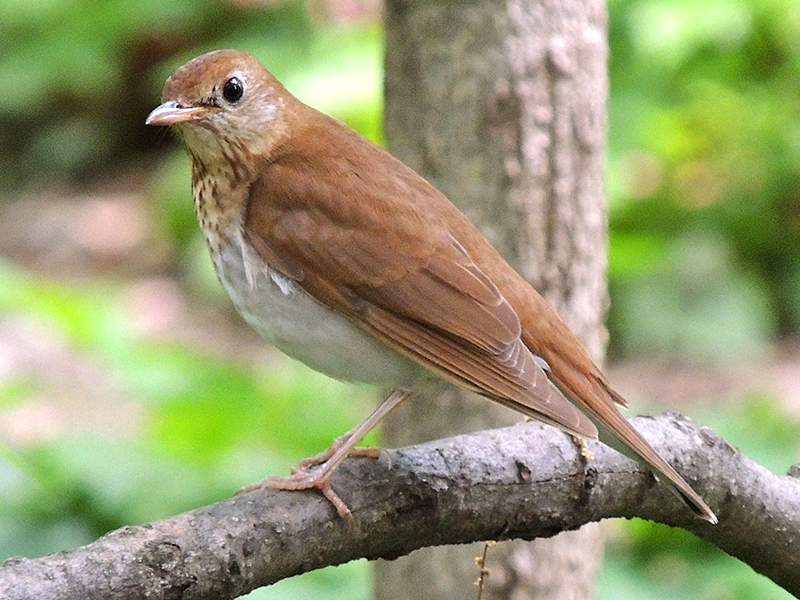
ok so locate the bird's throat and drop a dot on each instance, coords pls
(220, 199)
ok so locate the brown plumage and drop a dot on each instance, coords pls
(348, 260)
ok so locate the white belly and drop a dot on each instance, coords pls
(303, 328)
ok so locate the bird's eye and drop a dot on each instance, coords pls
(233, 90)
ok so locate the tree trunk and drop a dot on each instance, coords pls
(502, 106)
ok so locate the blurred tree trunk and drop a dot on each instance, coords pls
(502, 106)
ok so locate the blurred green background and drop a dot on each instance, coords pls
(129, 390)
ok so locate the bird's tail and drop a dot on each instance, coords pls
(616, 431)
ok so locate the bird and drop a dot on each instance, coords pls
(346, 259)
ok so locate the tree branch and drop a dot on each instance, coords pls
(525, 481)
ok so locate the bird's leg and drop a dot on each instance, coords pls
(317, 471)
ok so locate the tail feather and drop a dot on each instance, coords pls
(623, 437)
(616, 431)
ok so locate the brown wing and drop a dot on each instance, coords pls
(394, 269)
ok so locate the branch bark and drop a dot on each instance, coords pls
(526, 481)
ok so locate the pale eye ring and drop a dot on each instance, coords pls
(233, 90)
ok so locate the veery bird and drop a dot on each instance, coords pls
(347, 260)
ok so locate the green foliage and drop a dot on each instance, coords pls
(660, 563)
(705, 143)
(690, 302)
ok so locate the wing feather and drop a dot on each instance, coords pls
(399, 274)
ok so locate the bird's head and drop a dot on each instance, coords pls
(221, 100)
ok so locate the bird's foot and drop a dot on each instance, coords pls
(316, 471)
(304, 479)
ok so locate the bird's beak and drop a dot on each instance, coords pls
(170, 113)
